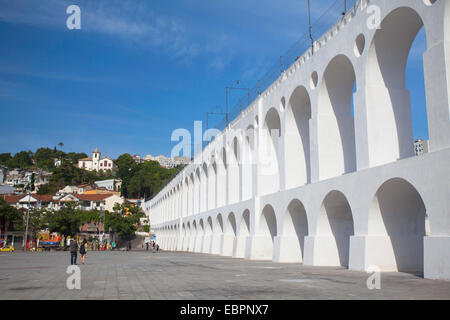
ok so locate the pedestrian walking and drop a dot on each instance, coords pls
(73, 251)
(146, 246)
(157, 247)
(83, 250)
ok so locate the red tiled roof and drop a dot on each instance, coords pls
(43, 197)
(83, 185)
(92, 197)
(12, 198)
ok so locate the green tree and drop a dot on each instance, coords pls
(48, 188)
(74, 157)
(9, 214)
(92, 216)
(126, 166)
(147, 179)
(66, 221)
(44, 158)
(124, 221)
(36, 222)
(21, 159)
(4, 158)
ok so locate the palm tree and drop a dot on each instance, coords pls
(61, 145)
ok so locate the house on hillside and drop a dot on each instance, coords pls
(68, 189)
(111, 184)
(83, 188)
(96, 162)
(36, 201)
(98, 201)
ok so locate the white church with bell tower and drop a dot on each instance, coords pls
(96, 162)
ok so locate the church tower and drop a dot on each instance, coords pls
(96, 158)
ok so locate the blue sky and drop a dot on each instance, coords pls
(138, 69)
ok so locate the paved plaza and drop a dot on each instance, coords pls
(174, 276)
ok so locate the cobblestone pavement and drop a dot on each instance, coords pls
(168, 275)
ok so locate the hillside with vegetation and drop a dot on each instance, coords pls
(43, 158)
(139, 180)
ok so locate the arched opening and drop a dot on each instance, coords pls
(267, 232)
(199, 237)
(172, 238)
(177, 203)
(269, 177)
(193, 242)
(191, 194)
(335, 226)
(233, 172)
(209, 226)
(295, 229)
(244, 227)
(188, 236)
(231, 225)
(207, 242)
(202, 228)
(221, 179)
(247, 163)
(197, 193)
(282, 104)
(296, 139)
(242, 233)
(194, 226)
(229, 236)
(186, 198)
(203, 188)
(184, 237)
(392, 109)
(336, 132)
(219, 225)
(212, 186)
(217, 235)
(398, 221)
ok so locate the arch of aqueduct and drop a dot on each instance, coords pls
(300, 176)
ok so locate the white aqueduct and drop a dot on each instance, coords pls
(300, 176)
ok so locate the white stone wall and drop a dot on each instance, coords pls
(301, 177)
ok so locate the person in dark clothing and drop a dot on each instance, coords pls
(73, 251)
(83, 249)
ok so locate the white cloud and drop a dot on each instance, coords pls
(131, 22)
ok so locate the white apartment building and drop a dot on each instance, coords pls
(111, 184)
(164, 161)
(420, 147)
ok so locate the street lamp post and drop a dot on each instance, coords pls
(28, 218)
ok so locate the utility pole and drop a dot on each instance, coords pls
(28, 218)
(228, 91)
(31, 187)
(309, 22)
(207, 118)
